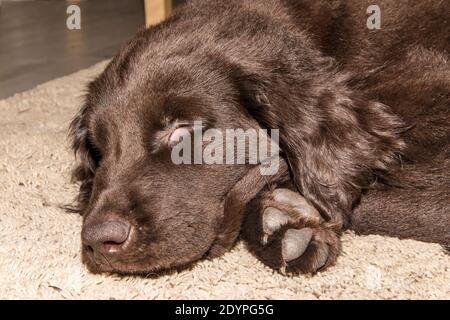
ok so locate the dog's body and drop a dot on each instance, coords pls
(360, 112)
(404, 65)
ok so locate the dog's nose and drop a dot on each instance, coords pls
(106, 237)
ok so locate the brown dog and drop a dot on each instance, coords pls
(364, 120)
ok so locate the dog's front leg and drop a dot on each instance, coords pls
(287, 233)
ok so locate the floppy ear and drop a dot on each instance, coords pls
(88, 157)
(335, 141)
(236, 202)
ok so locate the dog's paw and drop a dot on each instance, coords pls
(293, 237)
(282, 207)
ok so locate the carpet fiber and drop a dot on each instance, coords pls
(40, 243)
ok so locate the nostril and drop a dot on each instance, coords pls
(112, 243)
(108, 236)
(89, 249)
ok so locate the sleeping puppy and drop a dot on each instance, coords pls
(364, 133)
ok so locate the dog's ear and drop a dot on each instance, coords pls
(236, 202)
(335, 141)
(87, 155)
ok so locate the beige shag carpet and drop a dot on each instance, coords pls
(40, 243)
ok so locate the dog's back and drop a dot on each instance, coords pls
(404, 64)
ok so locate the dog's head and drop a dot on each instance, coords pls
(141, 210)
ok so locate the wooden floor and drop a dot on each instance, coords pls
(36, 46)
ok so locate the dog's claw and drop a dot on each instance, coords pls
(273, 220)
(283, 270)
(265, 239)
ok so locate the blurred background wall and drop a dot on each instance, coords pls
(36, 45)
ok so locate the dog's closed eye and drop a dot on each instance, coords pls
(175, 132)
(178, 134)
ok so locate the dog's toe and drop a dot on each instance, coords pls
(295, 243)
(297, 203)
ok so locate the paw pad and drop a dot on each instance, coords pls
(295, 243)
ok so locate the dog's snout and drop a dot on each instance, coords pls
(106, 237)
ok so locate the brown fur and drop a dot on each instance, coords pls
(360, 112)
